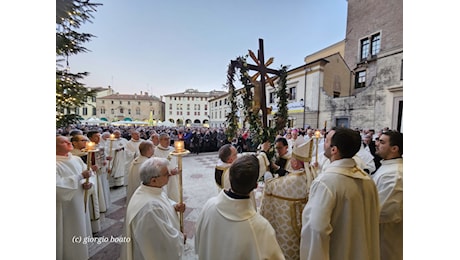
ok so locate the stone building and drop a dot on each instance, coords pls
(374, 54)
(130, 107)
(189, 108)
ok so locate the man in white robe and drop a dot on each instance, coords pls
(117, 159)
(71, 220)
(163, 150)
(146, 150)
(132, 151)
(98, 158)
(229, 227)
(227, 155)
(389, 181)
(340, 219)
(151, 222)
(79, 144)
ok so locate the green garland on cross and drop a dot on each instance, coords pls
(258, 133)
(232, 118)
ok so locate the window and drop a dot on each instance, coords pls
(94, 111)
(112, 111)
(216, 104)
(170, 112)
(364, 48)
(375, 46)
(121, 110)
(129, 111)
(129, 102)
(360, 79)
(121, 102)
(112, 101)
(220, 102)
(170, 106)
(139, 103)
(188, 106)
(188, 113)
(103, 101)
(102, 110)
(138, 111)
(85, 111)
(198, 107)
(205, 106)
(271, 98)
(205, 113)
(370, 45)
(292, 93)
(93, 99)
(225, 101)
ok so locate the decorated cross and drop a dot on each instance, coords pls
(262, 70)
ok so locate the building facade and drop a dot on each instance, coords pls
(89, 109)
(190, 108)
(324, 74)
(128, 107)
(374, 54)
(219, 109)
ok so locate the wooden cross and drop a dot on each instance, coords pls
(262, 70)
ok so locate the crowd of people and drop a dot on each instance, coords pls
(336, 196)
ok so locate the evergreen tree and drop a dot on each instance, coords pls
(70, 92)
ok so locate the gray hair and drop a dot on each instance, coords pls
(152, 168)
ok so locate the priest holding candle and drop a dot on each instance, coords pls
(81, 146)
(163, 150)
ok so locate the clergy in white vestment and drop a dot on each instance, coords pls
(340, 219)
(163, 150)
(229, 227)
(72, 223)
(151, 222)
(79, 144)
(227, 155)
(146, 149)
(117, 156)
(132, 151)
(98, 158)
(389, 181)
(285, 197)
